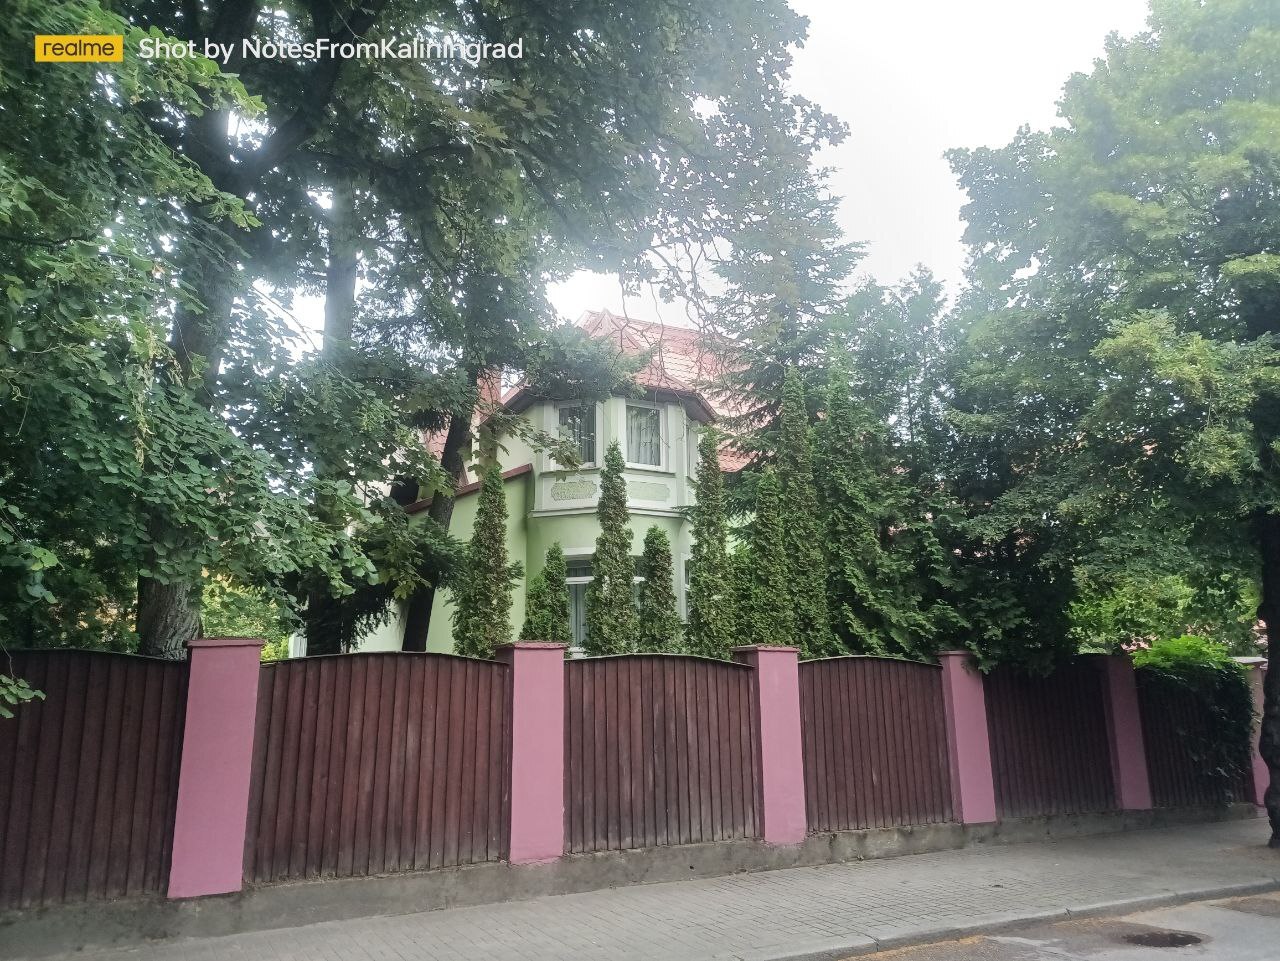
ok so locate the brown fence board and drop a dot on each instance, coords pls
(92, 778)
(1172, 721)
(659, 749)
(875, 750)
(1049, 747)
(376, 763)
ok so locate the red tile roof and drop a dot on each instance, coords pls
(683, 363)
(683, 360)
(469, 488)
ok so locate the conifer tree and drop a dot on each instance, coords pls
(659, 621)
(611, 612)
(874, 602)
(547, 606)
(742, 574)
(481, 616)
(771, 616)
(801, 525)
(710, 631)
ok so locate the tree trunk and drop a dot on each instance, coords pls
(166, 612)
(323, 620)
(169, 612)
(1267, 528)
(418, 610)
(168, 617)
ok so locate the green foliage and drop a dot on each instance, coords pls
(1219, 689)
(879, 555)
(88, 196)
(117, 465)
(14, 691)
(230, 609)
(782, 282)
(547, 604)
(611, 614)
(771, 617)
(801, 524)
(482, 592)
(1116, 389)
(1187, 655)
(658, 629)
(1105, 618)
(180, 428)
(742, 576)
(710, 631)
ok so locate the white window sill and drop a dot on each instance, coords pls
(650, 469)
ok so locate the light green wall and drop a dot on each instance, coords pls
(440, 633)
(537, 518)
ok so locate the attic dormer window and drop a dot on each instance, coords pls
(578, 426)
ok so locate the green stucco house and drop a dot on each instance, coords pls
(657, 428)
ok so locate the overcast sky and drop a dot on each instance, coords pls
(911, 79)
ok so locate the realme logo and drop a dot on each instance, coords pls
(79, 48)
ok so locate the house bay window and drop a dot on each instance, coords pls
(578, 574)
(644, 435)
(577, 424)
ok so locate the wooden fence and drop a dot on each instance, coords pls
(1172, 723)
(380, 763)
(658, 750)
(376, 763)
(875, 743)
(89, 778)
(1049, 747)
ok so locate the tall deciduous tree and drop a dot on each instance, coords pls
(771, 618)
(801, 524)
(547, 604)
(107, 442)
(659, 621)
(710, 631)
(1120, 352)
(483, 181)
(482, 615)
(610, 600)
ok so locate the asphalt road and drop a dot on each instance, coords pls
(1235, 929)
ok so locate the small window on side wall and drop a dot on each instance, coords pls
(644, 435)
(577, 423)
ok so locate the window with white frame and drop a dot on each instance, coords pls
(644, 435)
(684, 587)
(577, 424)
(578, 576)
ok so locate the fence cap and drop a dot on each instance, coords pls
(1250, 661)
(532, 645)
(197, 642)
(764, 647)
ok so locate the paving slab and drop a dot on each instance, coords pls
(814, 913)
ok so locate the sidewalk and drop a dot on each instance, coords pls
(825, 912)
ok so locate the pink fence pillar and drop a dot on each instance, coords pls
(537, 750)
(964, 702)
(1124, 734)
(1257, 667)
(213, 778)
(775, 687)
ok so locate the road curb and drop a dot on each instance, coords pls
(1002, 923)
